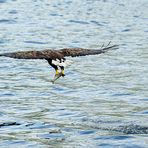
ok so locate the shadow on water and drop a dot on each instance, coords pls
(53, 134)
(125, 129)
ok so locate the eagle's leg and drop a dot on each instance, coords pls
(56, 71)
(54, 66)
(62, 71)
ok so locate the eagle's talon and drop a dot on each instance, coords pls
(63, 75)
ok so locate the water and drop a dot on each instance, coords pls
(102, 101)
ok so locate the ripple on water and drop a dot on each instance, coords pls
(86, 132)
(13, 12)
(38, 125)
(118, 145)
(2, 42)
(6, 21)
(52, 136)
(7, 94)
(17, 143)
(122, 94)
(119, 137)
(35, 42)
(97, 23)
(126, 30)
(55, 14)
(3, 1)
(145, 99)
(78, 22)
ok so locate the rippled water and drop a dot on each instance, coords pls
(102, 101)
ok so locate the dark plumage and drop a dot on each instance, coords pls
(56, 54)
(56, 58)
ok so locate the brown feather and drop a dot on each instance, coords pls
(73, 52)
(57, 54)
(45, 54)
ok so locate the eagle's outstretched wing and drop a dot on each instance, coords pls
(44, 54)
(23, 55)
(57, 54)
(73, 52)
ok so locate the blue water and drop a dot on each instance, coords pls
(102, 100)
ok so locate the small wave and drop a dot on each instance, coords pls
(78, 22)
(6, 21)
(97, 23)
(2, 42)
(35, 42)
(126, 30)
(121, 137)
(2, 1)
(55, 14)
(13, 12)
(8, 124)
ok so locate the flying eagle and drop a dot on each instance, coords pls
(56, 58)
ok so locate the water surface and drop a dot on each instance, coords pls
(102, 101)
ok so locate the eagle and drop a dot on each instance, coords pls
(57, 58)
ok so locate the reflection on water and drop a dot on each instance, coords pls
(102, 101)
